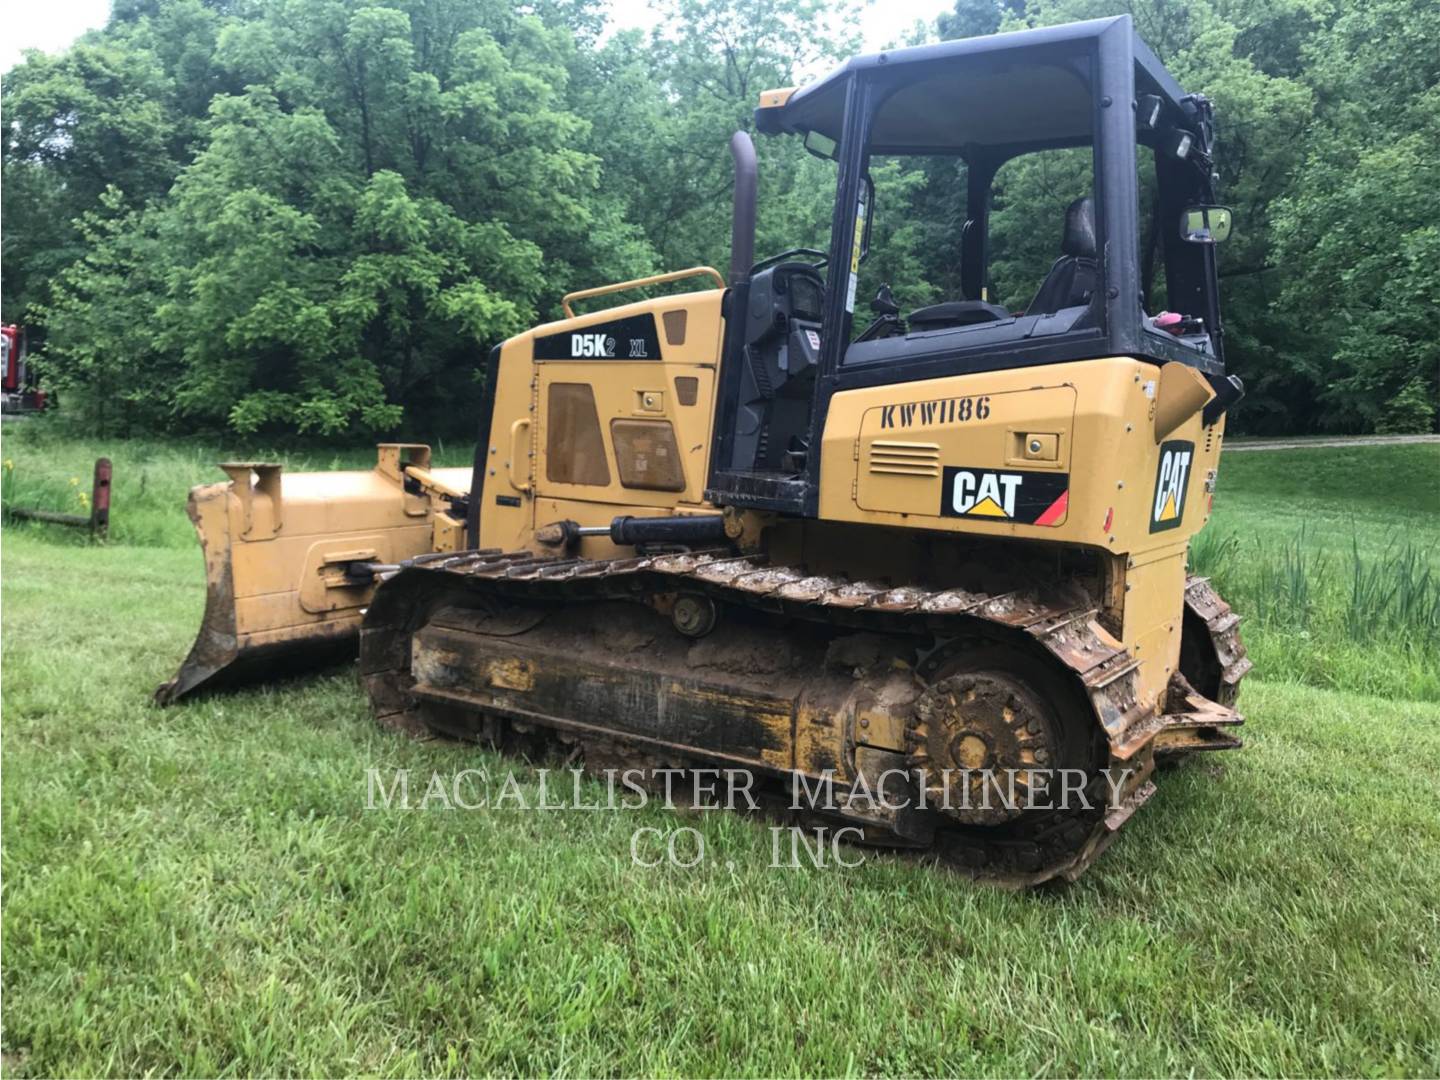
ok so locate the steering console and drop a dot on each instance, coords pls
(820, 256)
(955, 313)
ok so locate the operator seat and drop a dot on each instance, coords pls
(1073, 276)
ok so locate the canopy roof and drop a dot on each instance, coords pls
(1030, 87)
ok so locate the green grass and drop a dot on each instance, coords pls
(1333, 557)
(43, 468)
(1372, 491)
(201, 889)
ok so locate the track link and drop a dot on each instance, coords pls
(1059, 617)
(1223, 627)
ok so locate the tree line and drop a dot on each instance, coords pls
(315, 216)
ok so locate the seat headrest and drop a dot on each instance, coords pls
(1079, 238)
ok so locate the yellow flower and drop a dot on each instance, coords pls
(9, 465)
(74, 481)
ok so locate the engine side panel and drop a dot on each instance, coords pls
(1110, 455)
(1065, 453)
(606, 413)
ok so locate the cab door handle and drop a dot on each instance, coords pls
(519, 455)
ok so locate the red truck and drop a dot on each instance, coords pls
(20, 393)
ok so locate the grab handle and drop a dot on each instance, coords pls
(519, 452)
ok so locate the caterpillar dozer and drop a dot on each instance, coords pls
(736, 526)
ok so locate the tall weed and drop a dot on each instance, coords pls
(1358, 621)
(1397, 593)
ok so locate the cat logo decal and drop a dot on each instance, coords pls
(1026, 498)
(1172, 480)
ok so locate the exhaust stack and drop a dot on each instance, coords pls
(742, 224)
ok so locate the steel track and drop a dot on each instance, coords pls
(1060, 617)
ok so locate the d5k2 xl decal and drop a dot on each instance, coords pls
(632, 338)
(1171, 482)
(1026, 498)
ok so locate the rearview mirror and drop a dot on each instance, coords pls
(822, 146)
(1148, 108)
(1205, 224)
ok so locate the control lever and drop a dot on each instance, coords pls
(884, 303)
(888, 322)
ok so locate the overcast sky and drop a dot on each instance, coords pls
(51, 25)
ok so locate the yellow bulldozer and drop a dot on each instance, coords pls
(737, 527)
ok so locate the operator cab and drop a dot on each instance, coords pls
(1119, 261)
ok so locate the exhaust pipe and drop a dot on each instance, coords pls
(742, 225)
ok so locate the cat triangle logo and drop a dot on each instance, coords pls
(1172, 480)
(983, 493)
(987, 507)
(1005, 498)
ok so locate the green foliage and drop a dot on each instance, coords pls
(1411, 411)
(1360, 226)
(375, 196)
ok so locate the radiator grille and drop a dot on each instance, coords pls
(890, 458)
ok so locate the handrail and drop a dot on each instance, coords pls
(654, 279)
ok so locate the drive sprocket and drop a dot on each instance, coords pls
(983, 745)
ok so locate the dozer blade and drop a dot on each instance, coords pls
(281, 590)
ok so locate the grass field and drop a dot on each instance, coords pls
(1334, 557)
(202, 889)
